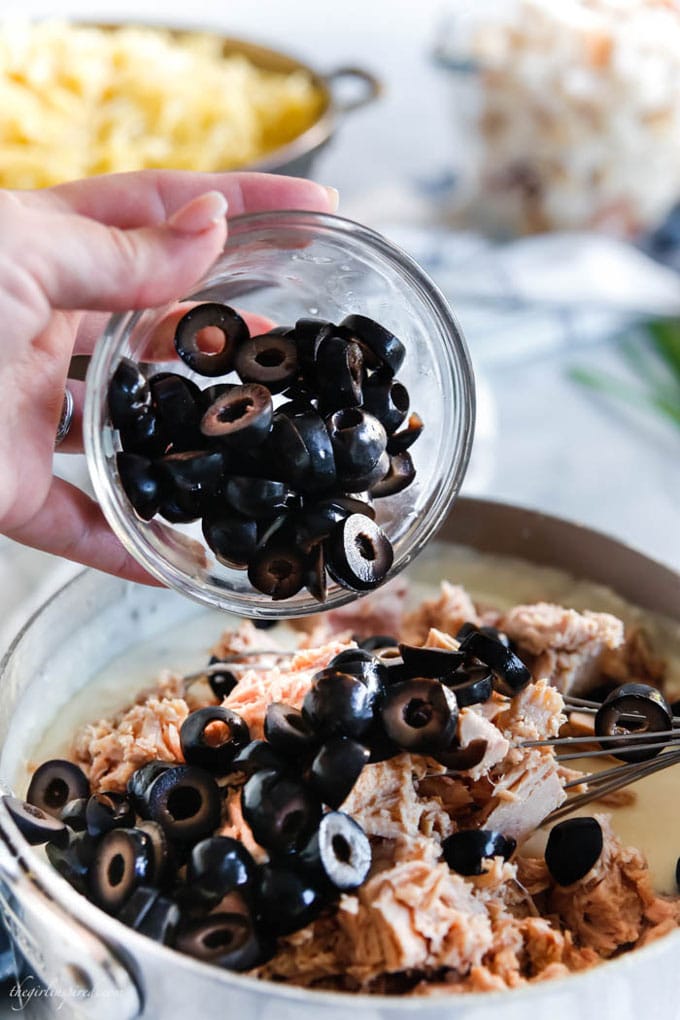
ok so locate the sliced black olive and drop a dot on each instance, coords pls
(231, 536)
(139, 479)
(366, 482)
(472, 685)
(121, 862)
(256, 756)
(211, 737)
(287, 730)
(377, 641)
(338, 704)
(387, 399)
(73, 814)
(270, 359)
(314, 523)
(389, 351)
(364, 666)
(459, 759)
(400, 442)
(142, 778)
(315, 574)
(217, 866)
(339, 853)
(257, 497)
(573, 848)
(211, 394)
(466, 851)
(180, 508)
(339, 374)
(288, 449)
(159, 919)
(305, 451)
(633, 708)
(336, 768)
(465, 630)
(243, 415)
(193, 475)
(211, 314)
(287, 900)
(222, 683)
(35, 825)
(430, 662)
(308, 335)
(128, 394)
(510, 673)
(420, 715)
(144, 435)
(277, 571)
(264, 624)
(400, 474)
(163, 857)
(226, 940)
(353, 504)
(380, 746)
(137, 906)
(393, 664)
(281, 811)
(358, 439)
(54, 783)
(177, 402)
(185, 801)
(358, 553)
(496, 634)
(73, 861)
(108, 810)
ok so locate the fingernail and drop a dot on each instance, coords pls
(333, 198)
(199, 214)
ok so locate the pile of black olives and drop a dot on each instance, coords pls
(150, 856)
(281, 467)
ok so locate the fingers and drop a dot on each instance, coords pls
(106, 268)
(70, 524)
(148, 197)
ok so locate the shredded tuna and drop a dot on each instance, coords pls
(448, 613)
(109, 751)
(561, 644)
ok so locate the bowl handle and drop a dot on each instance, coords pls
(372, 87)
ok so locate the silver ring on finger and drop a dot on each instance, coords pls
(66, 418)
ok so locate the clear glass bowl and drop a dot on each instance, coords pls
(286, 265)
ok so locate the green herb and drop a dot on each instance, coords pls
(658, 378)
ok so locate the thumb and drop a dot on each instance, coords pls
(81, 263)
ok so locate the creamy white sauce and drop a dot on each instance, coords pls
(652, 823)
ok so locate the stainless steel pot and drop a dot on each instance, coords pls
(95, 967)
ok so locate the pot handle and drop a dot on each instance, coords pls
(371, 88)
(66, 963)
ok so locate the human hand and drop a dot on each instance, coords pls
(69, 256)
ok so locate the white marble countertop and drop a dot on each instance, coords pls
(542, 442)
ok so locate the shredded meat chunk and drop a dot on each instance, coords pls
(109, 751)
(562, 645)
(448, 613)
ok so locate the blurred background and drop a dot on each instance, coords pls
(526, 153)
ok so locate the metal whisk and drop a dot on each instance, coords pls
(619, 776)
